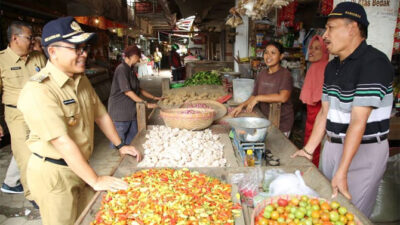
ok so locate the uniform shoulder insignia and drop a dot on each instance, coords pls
(39, 77)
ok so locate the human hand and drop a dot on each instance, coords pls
(130, 150)
(236, 111)
(251, 104)
(339, 184)
(158, 98)
(107, 183)
(151, 105)
(302, 152)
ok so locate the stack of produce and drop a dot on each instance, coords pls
(204, 77)
(179, 97)
(287, 14)
(293, 210)
(167, 147)
(257, 9)
(326, 7)
(168, 196)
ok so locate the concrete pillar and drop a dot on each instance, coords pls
(242, 41)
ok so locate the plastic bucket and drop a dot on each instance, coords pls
(242, 89)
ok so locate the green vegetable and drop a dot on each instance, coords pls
(204, 77)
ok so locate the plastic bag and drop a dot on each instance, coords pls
(290, 183)
(393, 169)
(260, 197)
(248, 186)
(387, 205)
(269, 176)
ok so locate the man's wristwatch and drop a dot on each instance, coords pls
(120, 145)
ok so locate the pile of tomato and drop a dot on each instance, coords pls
(169, 196)
(304, 211)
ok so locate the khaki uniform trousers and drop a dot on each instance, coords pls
(19, 134)
(59, 192)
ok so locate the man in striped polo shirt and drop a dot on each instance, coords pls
(356, 104)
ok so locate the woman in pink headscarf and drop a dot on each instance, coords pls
(312, 89)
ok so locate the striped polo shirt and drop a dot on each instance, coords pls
(364, 78)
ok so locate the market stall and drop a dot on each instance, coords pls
(313, 178)
(275, 141)
(194, 67)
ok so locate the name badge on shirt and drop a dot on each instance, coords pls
(69, 101)
(16, 68)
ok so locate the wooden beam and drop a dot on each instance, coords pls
(275, 114)
(165, 85)
(141, 116)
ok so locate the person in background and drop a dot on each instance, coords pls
(273, 85)
(125, 92)
(176, 63)
(357, 98)
(311, 91)
(157, 60)
(37, 46)
(60, 108)
(17, 64)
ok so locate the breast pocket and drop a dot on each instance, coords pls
(13, 78)
(71, 112)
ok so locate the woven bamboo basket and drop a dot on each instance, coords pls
(260, 207)
(188, 118)
(220, 109)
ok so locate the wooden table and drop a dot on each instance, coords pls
(279, 145)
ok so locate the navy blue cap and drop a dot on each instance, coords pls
(64, 29)
(350, 10)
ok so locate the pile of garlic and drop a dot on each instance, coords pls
(169, 147)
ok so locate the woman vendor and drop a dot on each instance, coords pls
(273, 85)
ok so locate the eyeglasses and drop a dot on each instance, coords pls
(78, 50)
(29, 38)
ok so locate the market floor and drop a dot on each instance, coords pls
(16, 210)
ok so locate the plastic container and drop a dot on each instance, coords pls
(242, 89)
(250, 161)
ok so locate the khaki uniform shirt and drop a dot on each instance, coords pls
(53, 105)
(15, 72)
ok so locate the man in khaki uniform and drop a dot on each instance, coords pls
(17, 64)
(60, 107)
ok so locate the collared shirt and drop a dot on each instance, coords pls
(54, 105)
(364, 78)
(120, 106)
(15, 72)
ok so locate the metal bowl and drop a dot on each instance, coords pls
(250, 129)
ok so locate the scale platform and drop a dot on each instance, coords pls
(242, 146)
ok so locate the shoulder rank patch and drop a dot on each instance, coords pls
(39, 78)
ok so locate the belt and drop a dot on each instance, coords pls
(370, 140)
(55, 161)
(11, 106)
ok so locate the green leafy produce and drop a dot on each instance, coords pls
(204, 77)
